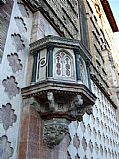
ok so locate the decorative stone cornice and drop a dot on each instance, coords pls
(60, 42)
(57, 87)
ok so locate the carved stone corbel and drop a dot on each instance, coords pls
(54, 131)
(51, 101)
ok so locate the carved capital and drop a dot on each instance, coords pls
(54, 131)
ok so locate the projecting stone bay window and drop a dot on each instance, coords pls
(57, 59)
(60, 88)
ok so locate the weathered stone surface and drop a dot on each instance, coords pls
(7, 116)
(6, 151)
(30, 134)
(23, 9)
(54, 131)
(21, 24)
(76, 141)
(5, 13)
(14, 62)
(63, 13)
(10, 85)
(18, 41)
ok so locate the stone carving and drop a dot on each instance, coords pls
(65, 17)
(51, 101)
(14, 62)
(23, 9)
(6, 151)
(84, 143)
(21, 24)
(54, 131)
(79, 110)
(7, 116)
(64, 64)
(17, 40)
(76, 141)
(10, 85)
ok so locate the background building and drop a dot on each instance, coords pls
(59, 78)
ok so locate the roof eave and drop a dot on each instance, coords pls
(109, 15)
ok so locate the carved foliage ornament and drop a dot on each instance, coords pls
(54, 131)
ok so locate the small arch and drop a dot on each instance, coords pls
(63, 65)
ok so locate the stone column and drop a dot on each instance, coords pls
(50, 60)
(77, 62)
(34, 67)
(31, 137)
(30, 132)
(88, 74)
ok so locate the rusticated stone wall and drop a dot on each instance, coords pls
(5, 14)
(16, 31)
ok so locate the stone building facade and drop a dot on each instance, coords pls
(58, 80)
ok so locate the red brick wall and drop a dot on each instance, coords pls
(5, 13)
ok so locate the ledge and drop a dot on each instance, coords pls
(109, 15)
(67, 90)
(60, 42)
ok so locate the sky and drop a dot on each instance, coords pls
(114, 4)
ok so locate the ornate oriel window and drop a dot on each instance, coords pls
(60, 60)
(59, 90)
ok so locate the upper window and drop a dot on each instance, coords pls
(64, 65)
